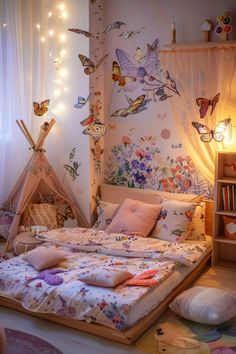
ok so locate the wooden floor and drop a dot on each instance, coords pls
(70, 341)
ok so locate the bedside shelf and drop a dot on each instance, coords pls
(224, 240)
(231, 180)
(197, 45)
(227, 213)
(223, 249)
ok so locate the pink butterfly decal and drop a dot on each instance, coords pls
(204, 104)
(162, 116)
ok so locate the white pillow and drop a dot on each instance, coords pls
(196, 231)
(174, 220)
(105, 212)
(205, 305)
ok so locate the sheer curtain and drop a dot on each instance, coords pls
(202, 73)
(22, 73)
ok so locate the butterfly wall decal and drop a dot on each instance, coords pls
(146, 69)
(148, 139)
(81, 101)
(90, 66)
(116, 76)
(207, 134)
(87, 121)
(132, 33)
(79, 31)
(176, 146)
(94, 127)
(135, 106)
(41, 108)
(204, 104)
(96, 130)
(161, 116)
(114, 25)
(139, 55)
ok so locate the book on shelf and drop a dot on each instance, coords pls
(228, 197)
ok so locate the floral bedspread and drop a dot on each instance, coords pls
(92, 240)
(87, 249)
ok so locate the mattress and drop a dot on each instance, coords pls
(118, 308)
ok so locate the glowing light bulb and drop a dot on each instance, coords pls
(62, 53)
(65, 89)
(42, 39)
(64, 15)
(62, 37)
(57, 93)
(51, 33)
(38, 26)
(63, 73)
(50, 54)
(49, 14)
(61, 7)
(60, 107)
(4, 25)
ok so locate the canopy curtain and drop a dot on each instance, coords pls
(22, 80)
(202, 73)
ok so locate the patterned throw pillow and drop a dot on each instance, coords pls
(42, 258)
(40, 214)
(174, 220)
(106, 212)
(105, 277)
(196, 231)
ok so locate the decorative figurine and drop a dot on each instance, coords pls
(206, 30)
(224, 27)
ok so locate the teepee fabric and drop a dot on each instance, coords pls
(38, 176)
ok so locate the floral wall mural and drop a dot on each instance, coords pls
(142, 147)
(140, 163)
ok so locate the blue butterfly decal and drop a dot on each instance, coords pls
(81, 101)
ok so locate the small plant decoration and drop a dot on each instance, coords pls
(72, 166)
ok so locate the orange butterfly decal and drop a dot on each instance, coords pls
(90, 67)
(41, 108)
(116, 76)
(204, 104)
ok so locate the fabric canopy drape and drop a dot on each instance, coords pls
(202, 73)
(22, 80)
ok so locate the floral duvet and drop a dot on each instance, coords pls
(88, 249)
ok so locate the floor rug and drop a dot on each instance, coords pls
(179, 336)
(25, 343)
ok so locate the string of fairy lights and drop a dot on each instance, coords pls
(57, 51)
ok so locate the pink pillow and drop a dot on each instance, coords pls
(135, 218)
(43, 258)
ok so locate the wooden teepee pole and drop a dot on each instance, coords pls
(45, 129)
(26, 133)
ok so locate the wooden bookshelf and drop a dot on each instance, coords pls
(224, 249)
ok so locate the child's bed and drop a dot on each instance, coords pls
(125, 312)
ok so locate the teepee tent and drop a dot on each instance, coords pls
(38, 176)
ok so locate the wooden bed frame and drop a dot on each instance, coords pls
(129, 335)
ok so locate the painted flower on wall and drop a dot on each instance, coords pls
(143, 165)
